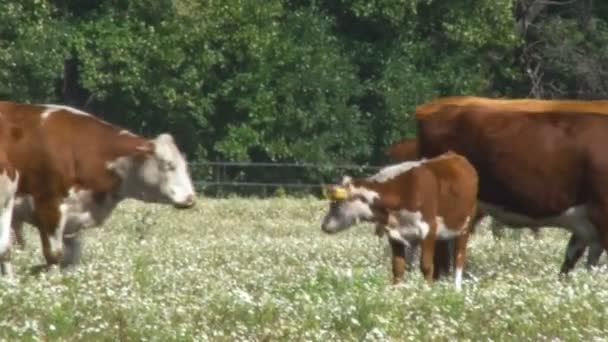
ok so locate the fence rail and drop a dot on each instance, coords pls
(224, 177)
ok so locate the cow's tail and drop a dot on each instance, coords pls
(404, 150)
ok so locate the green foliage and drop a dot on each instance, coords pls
(286, 80)
(31, 50)
(575, 57)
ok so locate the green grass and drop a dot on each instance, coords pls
(262, 270)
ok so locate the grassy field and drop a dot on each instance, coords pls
(262, 270)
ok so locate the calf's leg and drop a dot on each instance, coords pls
(427, 255)
(398, 261)
(442, 258)
(461, 254)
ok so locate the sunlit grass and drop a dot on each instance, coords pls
(248, 269)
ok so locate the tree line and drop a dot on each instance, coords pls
(294, 80)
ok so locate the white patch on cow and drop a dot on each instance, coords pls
(83, 211)
(51, 108)
(407, 225)
(78, 210)
(574, 219)
(393, 171)
(394, 234)
(8, 188)
(346, 180)
(126, 132)
(444, 232)
(366, 193)
(411, 226)
(458, 278)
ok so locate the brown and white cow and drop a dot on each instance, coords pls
(425, 201)
(537, 167)
(74, 169)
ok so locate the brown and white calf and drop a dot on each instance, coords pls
(427, 200)
(74, 168)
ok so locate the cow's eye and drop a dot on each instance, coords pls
(362, 199)
(168, 166)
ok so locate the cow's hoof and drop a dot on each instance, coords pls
(72, 253)
(37, 269)
(43, 268)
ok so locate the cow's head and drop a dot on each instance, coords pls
(157, 173)
(348, 206)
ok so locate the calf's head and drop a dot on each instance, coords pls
(159, 174)
(348, 206)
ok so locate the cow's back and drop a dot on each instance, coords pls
(457, 187)
(57, 148)
(523, 105)
(530, 162)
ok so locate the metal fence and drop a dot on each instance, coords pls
(222, 178)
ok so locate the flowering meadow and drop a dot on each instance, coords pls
(261, 270)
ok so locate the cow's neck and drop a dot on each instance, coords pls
(131, 186)
(379, 194)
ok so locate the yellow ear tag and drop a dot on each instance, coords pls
(338, 193)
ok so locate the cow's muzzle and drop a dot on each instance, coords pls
(187, 204)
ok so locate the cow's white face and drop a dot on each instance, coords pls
(164, 173)
(348, 206)
(158, 173)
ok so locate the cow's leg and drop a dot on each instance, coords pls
(5, 235)
(536, 232)
(595, 252)
(380, 230)
(398, 261)
(497, 232)
(72, 250)
(18, 234)
(427, 255)
(460, 258)
(574, 251)
(442, 258)
(598, 214)
(52, 218)
(411, 250)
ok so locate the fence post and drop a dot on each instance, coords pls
(218, 178)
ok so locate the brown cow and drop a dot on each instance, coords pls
(408, 148)
(528, 105)
(428, 200)
(535, 168)
(75, 168)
